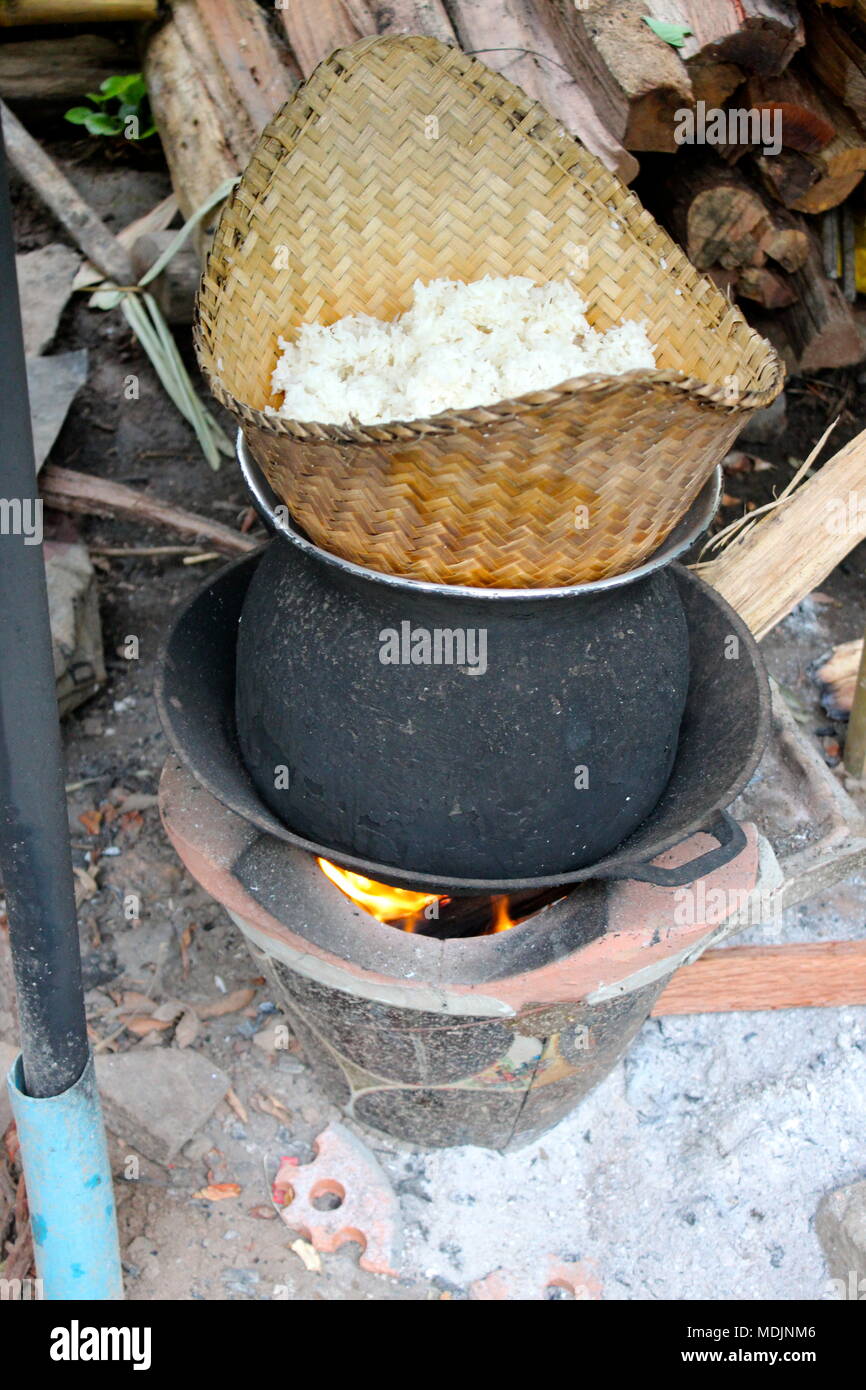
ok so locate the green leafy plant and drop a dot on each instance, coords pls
(674, 34)
(120, 107)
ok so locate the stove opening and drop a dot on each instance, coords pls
(430, 915)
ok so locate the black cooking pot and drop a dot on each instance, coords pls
(722, 737)
(471, 733)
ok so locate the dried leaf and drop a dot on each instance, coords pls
(262, 1213)
(185, 943)
(134, 1002)
(229, 1004)
(86, 886)
(308, 1254)
(237, 1105)
(187, 1029)
(218, 1191)
(141, 1027)
(269, 1105)
(171, 1010)
(91, 820)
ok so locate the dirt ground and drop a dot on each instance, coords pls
(176, 1246)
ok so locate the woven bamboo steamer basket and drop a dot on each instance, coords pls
(402, 158)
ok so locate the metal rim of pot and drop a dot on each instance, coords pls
(688, 529)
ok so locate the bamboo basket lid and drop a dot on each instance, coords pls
(403, 158)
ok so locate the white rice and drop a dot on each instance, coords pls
(460, 345)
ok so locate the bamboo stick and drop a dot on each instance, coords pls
(803, 975)
(70, 491)
(767, 572)
(39, 170)
(16, 12)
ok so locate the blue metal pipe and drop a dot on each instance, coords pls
(69, 1189)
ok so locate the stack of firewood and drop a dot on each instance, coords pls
(624, 76)
(750, 217)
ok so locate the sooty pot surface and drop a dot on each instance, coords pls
(458, 736)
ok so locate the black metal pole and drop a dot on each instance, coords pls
(34, 837)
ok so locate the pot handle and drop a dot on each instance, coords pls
(731, 842)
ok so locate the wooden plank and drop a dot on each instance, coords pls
(817, 526)
(802, 975)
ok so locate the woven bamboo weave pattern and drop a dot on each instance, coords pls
(403, 158)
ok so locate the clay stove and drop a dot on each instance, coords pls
(487, 1040)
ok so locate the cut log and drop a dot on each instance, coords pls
(316, 27)
(816, 525)
(242, 65)
(828, 192)
(543, 46)
(719, 218)
(810, 180)
(820, 326)
(216, 74)
(649, 72)
(841, 165)
(795, 101)
(755, 35)
(765, 286)
(787, 176)
(799, 975)
(837, 54)
(59, 69)
(197, 151)
(712, 83)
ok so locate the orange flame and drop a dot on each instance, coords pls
(502, 919)
(383, 902)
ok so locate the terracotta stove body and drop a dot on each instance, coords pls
(482, 1040)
